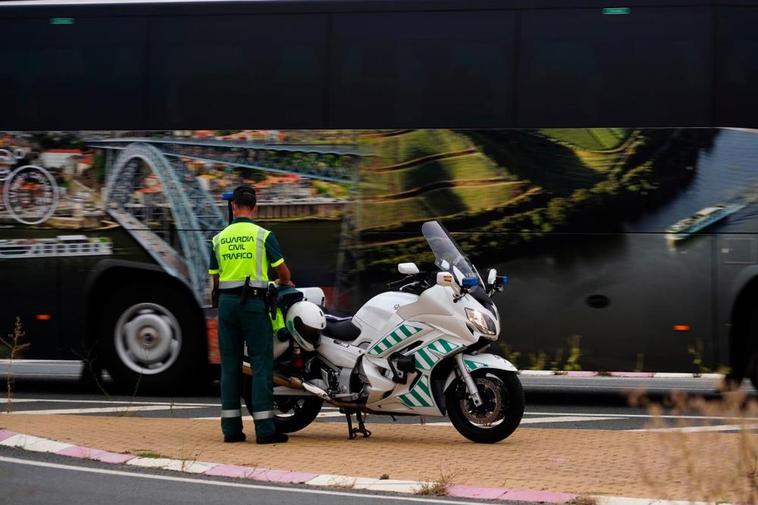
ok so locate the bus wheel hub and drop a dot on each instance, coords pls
(147, 338)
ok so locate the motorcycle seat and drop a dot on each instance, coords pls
(341, 328)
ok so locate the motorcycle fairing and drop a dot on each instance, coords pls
(482, 362)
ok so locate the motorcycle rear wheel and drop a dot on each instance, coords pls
(291, 413)
(500, 414)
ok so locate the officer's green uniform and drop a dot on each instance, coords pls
(245, 249)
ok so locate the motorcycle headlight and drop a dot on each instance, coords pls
(481, 321)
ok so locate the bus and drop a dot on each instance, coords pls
(612, 182)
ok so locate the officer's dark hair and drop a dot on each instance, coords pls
(244, 196)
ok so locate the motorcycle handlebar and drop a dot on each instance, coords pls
(400, 282)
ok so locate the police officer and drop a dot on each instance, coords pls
(240, 259)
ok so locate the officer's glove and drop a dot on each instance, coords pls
(214, 298)
(283, 335)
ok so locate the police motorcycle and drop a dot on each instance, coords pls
(413, 350)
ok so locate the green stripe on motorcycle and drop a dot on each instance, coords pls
(406, 331)
(419, 398)
(447, 346)
(423, 387)
(406, 401)
(421, 353)
(395, 337)
(472, 365)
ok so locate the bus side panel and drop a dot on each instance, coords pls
(261, 67)
(625, 301)
(28, 291)
(91, 69)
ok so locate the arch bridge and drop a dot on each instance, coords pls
(195, 216)
(175, 224)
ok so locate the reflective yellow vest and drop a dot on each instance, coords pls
(240, 250)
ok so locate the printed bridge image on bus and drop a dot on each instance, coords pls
(104, 236)
(627, 249)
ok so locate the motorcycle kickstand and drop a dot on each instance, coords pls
(353, 432)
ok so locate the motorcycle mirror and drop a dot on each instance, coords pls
(444, 279)
(407, 268)
(491, 276)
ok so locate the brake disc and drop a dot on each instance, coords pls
(492, 407)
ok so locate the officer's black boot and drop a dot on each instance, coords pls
(235, 437)
(274, 438)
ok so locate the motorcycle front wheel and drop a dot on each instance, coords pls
(501, 410)
(291, 413)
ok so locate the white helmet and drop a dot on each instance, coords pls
(305, 320)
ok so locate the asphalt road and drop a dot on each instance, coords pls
(600, 403)
(33, 478)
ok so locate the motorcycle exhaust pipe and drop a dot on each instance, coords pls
(295, 383)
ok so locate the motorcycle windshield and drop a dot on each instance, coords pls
(447, 255)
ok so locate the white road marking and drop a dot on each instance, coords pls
(644, 416)
(320, 415)
(614, 387)
(99, 410)
(567, 419)
(331, 414)
(546, 420)
(206, 482)
(114, 402)
(621, 500)
(698, 429)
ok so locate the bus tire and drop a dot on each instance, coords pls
(149, 340)
(752, 344)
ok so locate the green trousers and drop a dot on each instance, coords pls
(237, 324)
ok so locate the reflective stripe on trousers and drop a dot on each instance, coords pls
(231, 413)
(263, 414)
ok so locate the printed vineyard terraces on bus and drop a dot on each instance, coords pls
(624, 236)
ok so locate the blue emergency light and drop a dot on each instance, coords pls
(469, 282)
(502, 279)
(227, 195)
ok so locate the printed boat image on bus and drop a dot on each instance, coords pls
(701, 220)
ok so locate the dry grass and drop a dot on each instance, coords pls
(583, 500)
(15, 347)
(438, 486)
(737, 455)
(147, 453)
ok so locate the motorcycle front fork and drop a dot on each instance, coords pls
(473, 391)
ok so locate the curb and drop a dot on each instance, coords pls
(40, 444)
(629, 375)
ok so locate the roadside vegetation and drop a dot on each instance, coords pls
(734, 446)
(13, 347)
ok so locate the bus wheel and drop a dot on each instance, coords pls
(752, 345)
(149, 341)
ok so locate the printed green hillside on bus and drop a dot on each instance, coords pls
(591, 139)
(557, 167)
(473, 166)
(438, 203)
(416, 144)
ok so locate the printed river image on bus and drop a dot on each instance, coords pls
(626, 249)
